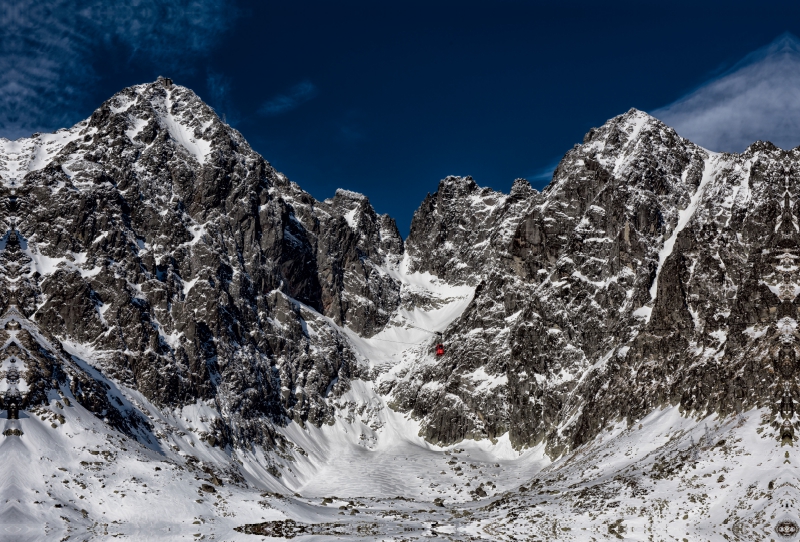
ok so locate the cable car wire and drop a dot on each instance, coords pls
(437, 333)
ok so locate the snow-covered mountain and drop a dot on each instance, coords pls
(192, 343)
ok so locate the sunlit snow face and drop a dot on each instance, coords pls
(757, 99)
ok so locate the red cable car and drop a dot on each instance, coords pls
(440, 349)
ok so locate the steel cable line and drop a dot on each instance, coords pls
(437, 333)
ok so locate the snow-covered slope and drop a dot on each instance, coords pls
(191, 343)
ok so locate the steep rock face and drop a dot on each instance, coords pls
(152, 235)
(161, 283)
(649, 272)
(353, 246)
(463, 234)
(152, 239)
(463, 230)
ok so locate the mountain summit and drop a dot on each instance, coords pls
(183, 324)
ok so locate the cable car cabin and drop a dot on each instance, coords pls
(440, 349)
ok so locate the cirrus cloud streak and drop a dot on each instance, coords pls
(288, 101)
(757, 99)
(47, 49)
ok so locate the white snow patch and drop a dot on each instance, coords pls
(189, 284)
(199, 148)
(711, 165)
(136, 128)
(484, 381)
(350, 217)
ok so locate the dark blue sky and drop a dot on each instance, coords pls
(384, 99)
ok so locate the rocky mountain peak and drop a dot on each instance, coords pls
(163, 281)
(153, 209)
(636, 255)
(145, 111)
(153, 236)
(522, 188)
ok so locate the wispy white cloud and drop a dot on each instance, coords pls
(47, 49)
(545, 173)
(292, 99)
(759, 98)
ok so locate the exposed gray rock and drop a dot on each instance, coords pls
(649, 272)
(152, 234)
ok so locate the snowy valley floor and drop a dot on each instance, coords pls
(642, 483)
(64, 475)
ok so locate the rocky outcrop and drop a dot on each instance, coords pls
(152, 235)
(152, 239)
(649, 272)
